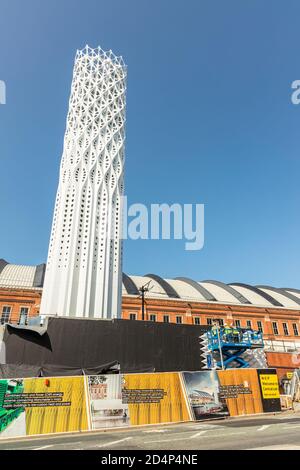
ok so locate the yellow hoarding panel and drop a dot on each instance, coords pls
(56, 404)
(240, 389)
(154, 398)
(269, 386)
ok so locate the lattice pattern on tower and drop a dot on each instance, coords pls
(83, 275)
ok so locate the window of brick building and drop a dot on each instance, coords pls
(237, 323)
(23, 315)
(260, 327)
(285, 329)
(275, 328)
(152, 317)
(6, 310)
(166, 318)
(197, 321)
(178, 319)
(249, 324)
(295, 329)
(210, 321)
(132, 316)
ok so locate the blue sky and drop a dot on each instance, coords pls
(209, 120)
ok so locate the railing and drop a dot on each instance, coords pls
(30, 321)
(282, 346)
(237, 336)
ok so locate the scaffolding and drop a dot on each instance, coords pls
(232, 343)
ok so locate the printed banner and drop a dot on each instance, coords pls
(203, 394)
(155, 398)
(240, 389)
(133, 399)
(34, 406)
(269, 387)
(42, 406)
(106, 405)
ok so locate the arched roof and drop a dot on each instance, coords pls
(21, 276)
(215, 292)
(230, 290)
(198, 287)
(254, 291)
(281, 295)
(167, 287)
(180, 288)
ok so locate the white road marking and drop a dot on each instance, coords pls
(264, 427)
(198, 434)
(112, 443)
(156, 430)
(43, 447)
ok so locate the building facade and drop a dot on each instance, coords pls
(84, 267)
(275, 312)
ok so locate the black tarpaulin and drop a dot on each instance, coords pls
(16, 371)
(80, 344)
(41, 330)
(10, 371)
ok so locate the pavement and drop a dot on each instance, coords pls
(268, 432)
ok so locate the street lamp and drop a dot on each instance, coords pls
(217, 324)
(143, 289)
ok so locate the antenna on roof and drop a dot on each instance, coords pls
(142, 290)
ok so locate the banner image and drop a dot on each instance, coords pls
(155, 398)
(42, 406)
(12, 417)
(105, 395)
(203, 393)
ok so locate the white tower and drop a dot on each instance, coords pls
(84, 268)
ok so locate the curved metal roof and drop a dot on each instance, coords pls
(19, 276)
(297, 291)
(169, 290)
(129, 285)
(231, 291)
(180, 288)
(200, 289)
(258, 292)
(281, 295)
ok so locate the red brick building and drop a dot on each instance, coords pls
(274, 311)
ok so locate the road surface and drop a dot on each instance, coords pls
(281, 431)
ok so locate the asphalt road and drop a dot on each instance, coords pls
(267, 432)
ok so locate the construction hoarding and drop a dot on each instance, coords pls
(240, 389)
(269, 387)
(243, 391)
(33, 406)
(42, 406)
(155, 398)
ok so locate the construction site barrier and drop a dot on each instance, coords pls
(37, 406)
